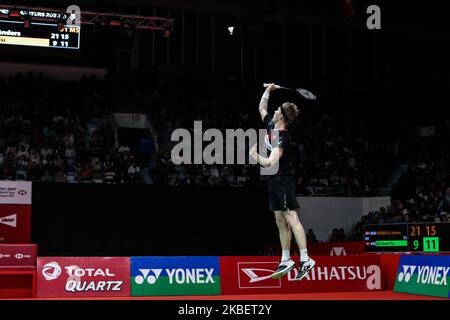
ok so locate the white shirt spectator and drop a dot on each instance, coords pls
(46, 151)
(35, 158)
(23, 162)
(124, 148)
(69, 152)
(133, 169)
(58, 118)
(69, 140)
(23, 152)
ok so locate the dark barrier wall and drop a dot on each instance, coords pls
(126, 220)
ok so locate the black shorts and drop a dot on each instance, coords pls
(282, 193)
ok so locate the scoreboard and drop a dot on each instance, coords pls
(38, 29)
(407, 237)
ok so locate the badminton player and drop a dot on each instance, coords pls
(282, 197)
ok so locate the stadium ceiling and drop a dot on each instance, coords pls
(271, 11)
(102, 18)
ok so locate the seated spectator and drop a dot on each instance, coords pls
(335, 235)
(357, 233)
(341, 234)
(133, 171)
(47, 176)
(311, 237)
(59, 176)
(34, 171)
(23, 153)
(86, 174)
(109, 174)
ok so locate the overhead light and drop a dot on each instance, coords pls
(115, 23)
(230, 30)
(14, 13)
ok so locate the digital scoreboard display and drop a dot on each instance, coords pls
(386, 237)
(407, 237)
(39, 29)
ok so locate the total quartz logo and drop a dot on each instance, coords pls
(83, 276)
(51, 271)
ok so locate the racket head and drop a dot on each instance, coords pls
(306, 94)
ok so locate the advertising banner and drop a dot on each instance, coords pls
(83, 276)
(162, 276)
(15, 192)
(15, 223)
(18, 256)
(131, 120)
(252, 275)
(425, 275)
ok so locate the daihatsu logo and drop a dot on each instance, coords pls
(10, 220)
(252, 274)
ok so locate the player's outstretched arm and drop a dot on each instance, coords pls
(264, 103)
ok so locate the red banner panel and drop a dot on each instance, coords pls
(17, 283)
(15, 223)
(83, 276)
(389, 266)
(252, 275)
(18, 256)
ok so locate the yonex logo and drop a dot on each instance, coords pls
(177, 275)
(145, 276)
(408, 271)
(51, 271)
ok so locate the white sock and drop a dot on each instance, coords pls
(286, 255)
(303, 255)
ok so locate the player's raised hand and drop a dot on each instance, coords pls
(270, 86)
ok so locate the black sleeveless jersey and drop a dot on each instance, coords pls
(287, 162)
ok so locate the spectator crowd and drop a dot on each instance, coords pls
(61, 131)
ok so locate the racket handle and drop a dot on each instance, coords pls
(265, 85)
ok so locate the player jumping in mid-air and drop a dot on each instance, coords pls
(282, 197)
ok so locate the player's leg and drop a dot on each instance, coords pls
(286, 263)
(277, 205)
(292, 218)
(306, 263)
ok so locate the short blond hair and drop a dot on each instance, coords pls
(291, 110)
